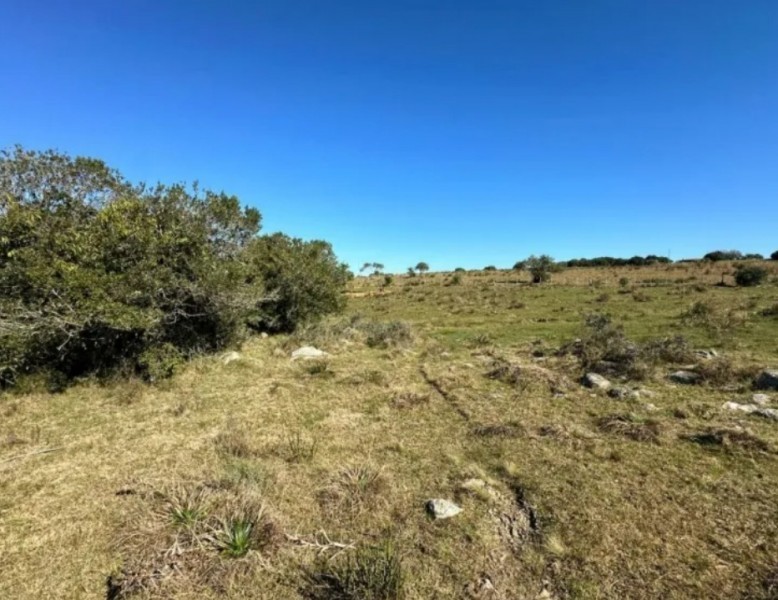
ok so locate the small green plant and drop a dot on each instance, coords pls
(187, 507)
(370, 573)
(234, 537)
(160, 362)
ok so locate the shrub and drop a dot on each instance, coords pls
(302, 281)
(718, 322)
(770, 311)
(519, 265)
(385, 334)
(388, 279)
(456, 279)
(541, 267)
(98, 275)
(623, 282)
(490, 268)
(750, 275)
(459, 270)
(774, 255)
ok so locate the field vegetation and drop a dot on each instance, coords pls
(251, 475)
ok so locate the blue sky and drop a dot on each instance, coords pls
(459, 133)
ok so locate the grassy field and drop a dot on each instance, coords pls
(263, 477)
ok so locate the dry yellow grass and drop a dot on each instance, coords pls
(561, 499)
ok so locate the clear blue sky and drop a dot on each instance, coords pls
(459, 133)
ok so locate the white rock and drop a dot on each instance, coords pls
(752, 409)
(593, 380)
(230, 357)
(760, 399)
(734, 406)
(686, 377)
(442, 509)
(307, 352)
(767, 413)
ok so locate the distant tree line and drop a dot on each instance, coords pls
(610, 261)
(718, 255)
(98, 275)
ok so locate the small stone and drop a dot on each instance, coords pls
(767, 380)
(767, 413)
(230, 357)
(735, 406)
(707, 354)
(264, 335)
(595, 381)
(474, 484)
(308, 352)
(624, 393)
(439, 508)
(685, 377)
(650, 407)
(760, 399)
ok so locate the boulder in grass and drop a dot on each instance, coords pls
(685, 377)
(440, 508)
(767, 380)
(595, 381)
(307, 353)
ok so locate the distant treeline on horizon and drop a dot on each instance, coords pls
(652, 259)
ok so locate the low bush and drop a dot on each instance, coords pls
(750, 275)
(604, 348)
(379, 334)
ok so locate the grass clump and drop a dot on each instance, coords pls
(298, 449)
(409, 399)
(187, 507)
(354, 489)
(234, 441)
(499, 430)
(369, 573)
(730, 438)
(630, 426)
